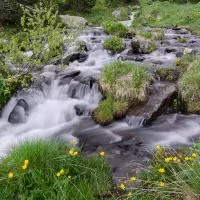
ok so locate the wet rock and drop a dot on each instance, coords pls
(188, 51)
(179, 54)
(19, 112)
(183, 31)
(51, 68)
(157, 103)
(81, 57)
(70, 74)
(73, 21)
(142, 46)
(170, 50)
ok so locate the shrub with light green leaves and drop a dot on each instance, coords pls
(114, 44)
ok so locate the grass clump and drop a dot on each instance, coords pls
(182, 40)
(189, 86)
(114, 44)
(174, 174)
(161, 14)
(152, 34)
(123, 84)
(115, 28)
(51, 170)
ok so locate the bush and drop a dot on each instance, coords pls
(114, 44)
(83, 5)
(116, 29)
(49, 170)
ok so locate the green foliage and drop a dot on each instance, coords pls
(184, 62)
(161, 14)
(114, 44)
(116, 29)
(10, 84)
(189, 86)
(81, 178)
(153, 34)
(83, 5)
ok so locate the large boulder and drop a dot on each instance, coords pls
(73, 21)
(142, 46)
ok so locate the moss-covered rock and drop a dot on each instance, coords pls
(142, 46)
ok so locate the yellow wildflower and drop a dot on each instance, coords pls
(26, 162)
(24, 167)
(62, 171)
(187, 158)
(194, 155)
(75, 153)
(132, 179)
(161, 170)
(102, 153)
(175, 158)
(122, 186)
(162, 184)
(69, 177)
(71, 152)
(10, 175)
(130, 194)
(158, 147)
(58, 174)
(168, 159)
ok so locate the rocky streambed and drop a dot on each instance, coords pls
(59, 104)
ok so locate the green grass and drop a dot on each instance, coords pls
(114, 44)
(82, 178)
(103, 12)
(180, 179)
(123, 84)
(115, 28)
(189, 86)
(161, 14)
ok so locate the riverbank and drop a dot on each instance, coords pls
(167, 14)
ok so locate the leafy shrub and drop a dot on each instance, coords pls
(116, 29)
(51, 170)
(83, 5)
(114, 44)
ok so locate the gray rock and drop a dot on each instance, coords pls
(18, 114)
(73, 21)
(141, 46)
(28, 53)
(158, 101)
(116, 13)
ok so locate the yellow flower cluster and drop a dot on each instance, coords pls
(10, 175)
(25, 166)
(162, 170)
(130, 180)
(102, 153)
(174, 159)
(72, 152)
(61, 172)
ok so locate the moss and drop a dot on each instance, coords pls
(104, 113)
(182, 40)
(167, 74)
(114, 44)
(120, 109)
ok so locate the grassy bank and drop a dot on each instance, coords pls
(161, 14)
(102, 11)
(51, 170)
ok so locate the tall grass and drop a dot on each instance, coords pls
(161, 14)
(79, 178)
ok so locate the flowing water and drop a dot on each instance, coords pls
(59, 105)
